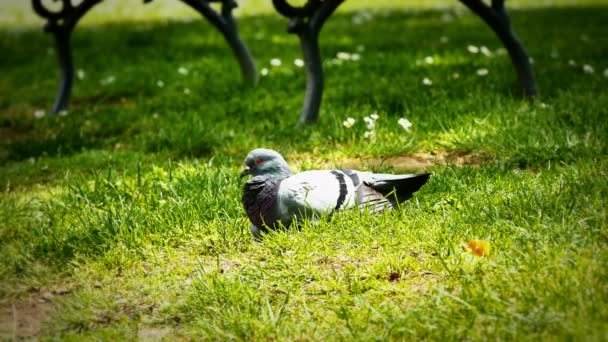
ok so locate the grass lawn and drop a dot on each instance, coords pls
(122, 220)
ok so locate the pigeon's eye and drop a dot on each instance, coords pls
(258, 161)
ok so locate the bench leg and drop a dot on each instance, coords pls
(66, 64)
(61, 24)
(306, 22)
(226, 24)
(498, 19)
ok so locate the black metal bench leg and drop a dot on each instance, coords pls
(498, 19)
(61, 24)
(306, 22)
(226, 24)
(64, 54)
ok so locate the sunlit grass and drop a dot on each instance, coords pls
(123, 218)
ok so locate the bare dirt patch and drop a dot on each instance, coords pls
(417, 162)
(23, 319)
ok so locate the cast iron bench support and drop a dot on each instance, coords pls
(307, 22)
(498, 19)
(61, 24)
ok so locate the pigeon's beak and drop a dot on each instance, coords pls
(245, 172)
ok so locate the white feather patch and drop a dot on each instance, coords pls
(312, 192)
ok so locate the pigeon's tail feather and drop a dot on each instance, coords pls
(400, 186)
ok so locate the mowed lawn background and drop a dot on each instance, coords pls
(122, 219)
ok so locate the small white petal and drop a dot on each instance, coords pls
(588, 69)
(571, 62)
(355, 57)
(482, 72)
(80, 74)
(187, 91)
(473, 49)
(405, 123)
(275, 62)
(264, 72)
(370, 123)
(369, 135)
(39, 114)
(427, 81)
(375, 116)
(108, 80)
(63, 112)
(345, 56)
(182, 71)
(429, 60)
(298, 62)
(160, 83)
(349, 122)
(485, 51)
(455, 75)
(531, 60)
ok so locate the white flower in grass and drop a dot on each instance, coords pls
(108, 80)
(588, 69)
(264, 72)
(182, 71)
(298, 62)
(405, 123)
(375, 116)
(160, 83)
(355, 57)
(349, 122)
(501, 51)
(473, 49)
(275, 62)
(369, 122)
(531, 60)
(39, 114)
(63, 112)
(485, 51)
(605, 73)
(429, 60)
(345, 56)
(482, 72)
(369, 135)
(544, 105)
(455, 75)
(427, 82)
(571, 62)
(80, 74)
(187, 91)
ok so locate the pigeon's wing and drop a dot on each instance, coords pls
(314, 193)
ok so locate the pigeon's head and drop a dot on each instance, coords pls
(262, 161)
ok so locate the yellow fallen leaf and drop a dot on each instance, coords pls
(477, 247)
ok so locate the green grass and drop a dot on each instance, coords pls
(124, 216)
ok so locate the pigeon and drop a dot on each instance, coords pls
(276, 197)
